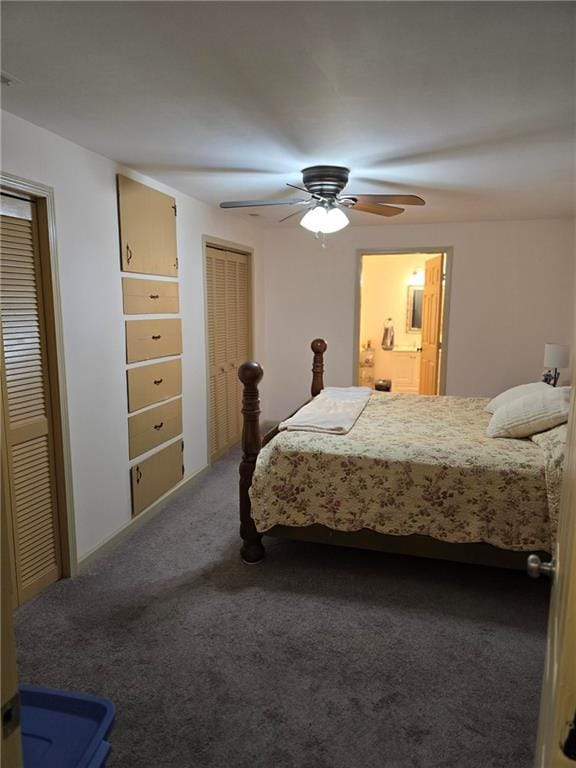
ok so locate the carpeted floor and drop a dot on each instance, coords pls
(318, 658)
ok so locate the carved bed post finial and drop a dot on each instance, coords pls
(318, 346)
(250, 374)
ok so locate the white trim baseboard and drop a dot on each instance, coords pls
(109, 543)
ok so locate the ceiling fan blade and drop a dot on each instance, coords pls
(255, 203)
(294, 186)
(294, 213)
(394, 199)
(380, 210)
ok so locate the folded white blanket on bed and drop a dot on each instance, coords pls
(335, 411)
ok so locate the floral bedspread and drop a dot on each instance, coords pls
(413, 465)
(553, 444)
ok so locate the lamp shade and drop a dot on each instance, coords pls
(335, 221)
(324, 219)
(556, 355)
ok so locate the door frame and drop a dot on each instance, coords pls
(448, 252)
(209, 241)
(558, 693)
(43, 197)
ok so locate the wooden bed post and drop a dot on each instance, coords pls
(250, 374)
(318, 346)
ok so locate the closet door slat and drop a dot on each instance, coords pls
(30, 455)
(227, 316)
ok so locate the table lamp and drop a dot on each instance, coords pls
(556, 356)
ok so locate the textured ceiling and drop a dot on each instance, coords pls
(470, 105)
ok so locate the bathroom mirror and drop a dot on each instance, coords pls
(414, 309)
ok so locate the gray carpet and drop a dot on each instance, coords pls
(319, 658)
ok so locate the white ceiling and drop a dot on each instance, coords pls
(470, 105)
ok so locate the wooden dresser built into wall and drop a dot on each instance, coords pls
(148, 247)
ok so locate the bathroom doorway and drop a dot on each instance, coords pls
(401, 321)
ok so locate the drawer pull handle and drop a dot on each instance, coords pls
(157, 337)
(128, 254)
(138, 475)
(159, 426)
(158, 381)
(154, 295)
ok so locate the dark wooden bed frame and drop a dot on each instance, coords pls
(252, 551)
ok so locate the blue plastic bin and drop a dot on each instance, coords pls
(64, 730)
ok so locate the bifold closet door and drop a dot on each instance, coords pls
(228, 311)
(26, 414)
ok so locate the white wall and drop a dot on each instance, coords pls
(512, 290)
(88, 252)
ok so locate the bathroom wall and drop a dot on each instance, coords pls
(385, 280)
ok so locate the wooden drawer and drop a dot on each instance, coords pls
(148, 339)
(147, 229)
(147, 297)
(155, 476)
(153, 383)
(154, 427)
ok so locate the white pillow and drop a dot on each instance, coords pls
(529, 414)
(513, 394)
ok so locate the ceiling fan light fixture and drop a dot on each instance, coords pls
(335, 221)
(314, 219)
(324, 220)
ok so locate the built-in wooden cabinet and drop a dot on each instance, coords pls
(153, 427)
(147, 221)
(148, 384)
(147, 297)
(149, 339)
(155, 476)
(147, 229)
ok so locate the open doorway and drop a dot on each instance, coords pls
(401, 339)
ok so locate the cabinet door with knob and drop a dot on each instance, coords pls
(147, 229)
(228, 317)
(155, 476)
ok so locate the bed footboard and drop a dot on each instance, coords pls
(250, 374)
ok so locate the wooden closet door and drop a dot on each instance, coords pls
(227, 296)
(26, 408)
(431, 326)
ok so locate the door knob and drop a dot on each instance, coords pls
(536, 567)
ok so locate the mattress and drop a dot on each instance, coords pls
(414, 465)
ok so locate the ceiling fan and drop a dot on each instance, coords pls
(326, 203)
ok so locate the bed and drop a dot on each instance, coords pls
(415, 475)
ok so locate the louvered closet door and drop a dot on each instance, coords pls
(26, 408)
(227, 289)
